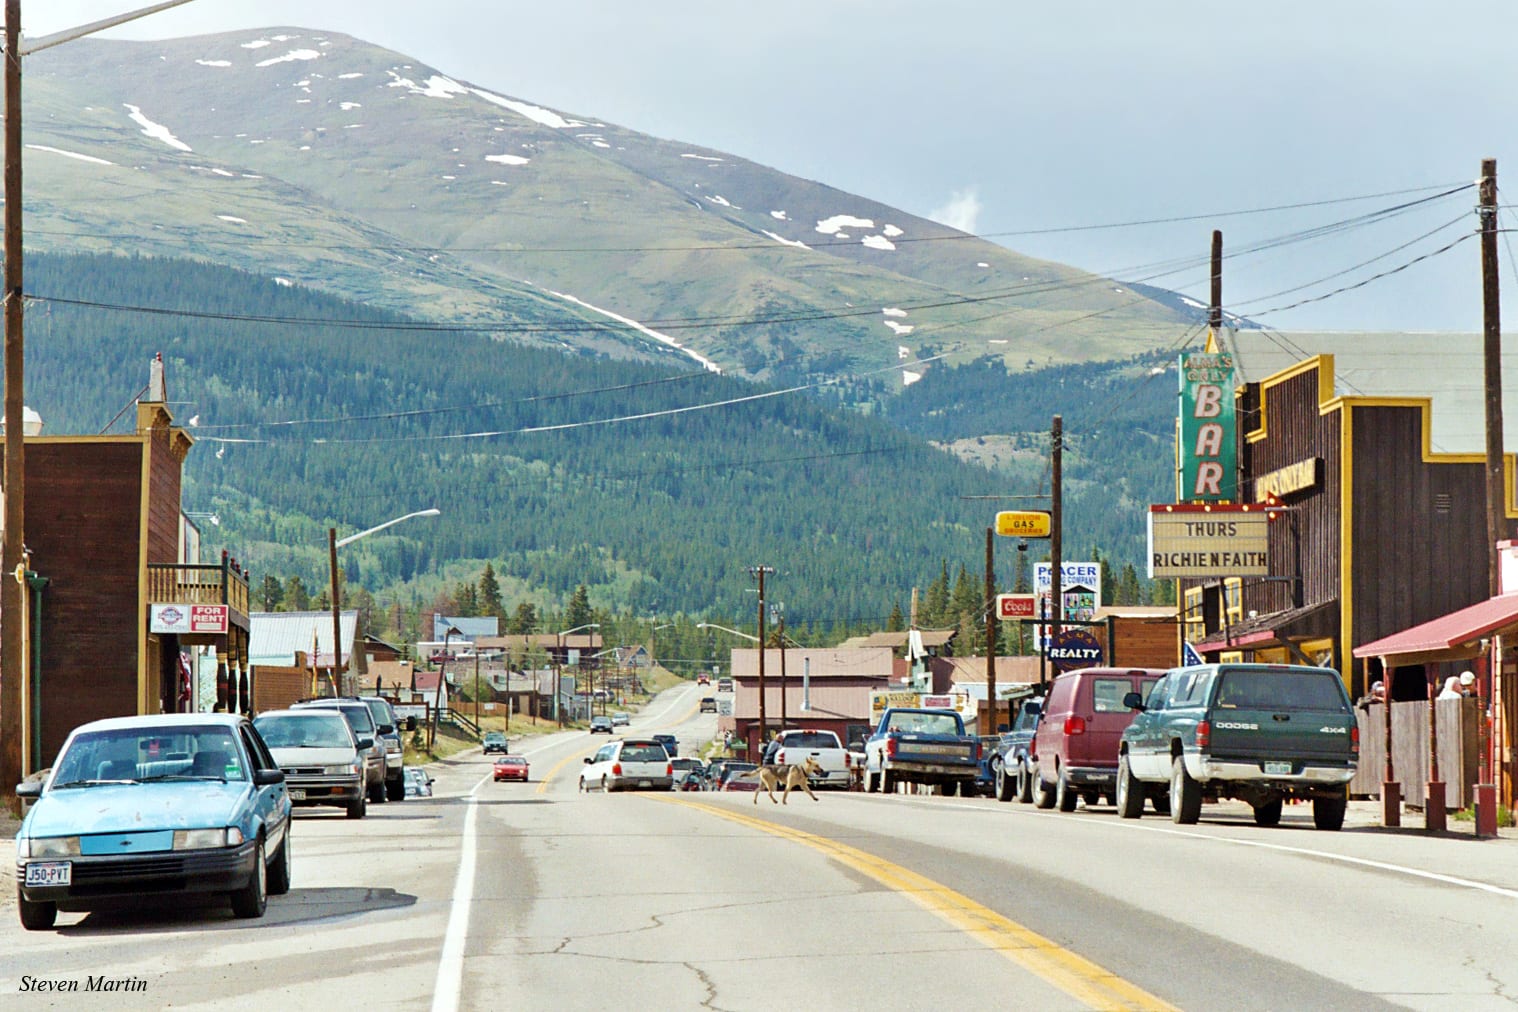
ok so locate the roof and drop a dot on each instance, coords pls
(163, 719)
(1451, 637)
(468, 627)
(275, 636)
(966, 671)
(1394, 365)
(898, 640)
(826, 662)
(1281, 627)
(1150, 611)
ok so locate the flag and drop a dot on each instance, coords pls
(185, 692)
(1189, 656)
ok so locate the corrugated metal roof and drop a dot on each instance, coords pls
(834, 700)
(468, 627)
(275, 636)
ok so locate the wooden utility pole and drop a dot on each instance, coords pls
(760, 572)
(1215, 311)
(1491, 313)
(337, 622)
(991, 621)
(1056, 525)
(780, 640)
(12, 601)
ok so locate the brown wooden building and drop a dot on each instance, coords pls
(1377, 531)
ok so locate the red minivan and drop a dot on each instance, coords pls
(1075, 750)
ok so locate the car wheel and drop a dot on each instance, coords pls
(1064, 795)
(1328, 811)
(605, 787)
(1185, 794)
(1161, 802)
(35, 916)
(1043, 794)
(887, 782)
(358, 809)
(1130, 793)
(869, 782)
(1004, 784)
(395, 789)
(377, 793)
(1024, 784)
(253, 898)
(279, 874)
(1268, 814)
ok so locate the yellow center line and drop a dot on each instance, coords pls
(543, 784)
(1075, 975)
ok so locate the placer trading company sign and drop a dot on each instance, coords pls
(1207, 449)
(1202, 541)
(187, 618)
(1080, 586)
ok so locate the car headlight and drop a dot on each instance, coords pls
(391, 745)
(347, 769)
(47, 846)
(206, 839)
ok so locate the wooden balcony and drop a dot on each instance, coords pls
(214, 584)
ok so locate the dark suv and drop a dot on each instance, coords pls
(361, 719)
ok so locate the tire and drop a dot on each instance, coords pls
(1043, 794)
(395, 790)
(1185, 794)
(377, 793)
(1024, 784)
(1268, 814)
(887, 782)
(1064, 795)
(1130, 791)
(279, 874)
(358, 809)
(1005, 786)
(1328, 812)
(35, 916)
(869, 782)
(1161, 802)
(605, 787)
(252, 899)
(955, 788)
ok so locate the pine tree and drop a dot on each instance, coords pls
(489, 594)
(897, 622)
(578, 613)
(296, 595)
(524, 620)
(1128, 586)
(271, 592)
(935, 603)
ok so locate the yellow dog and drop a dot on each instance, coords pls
(772, 775)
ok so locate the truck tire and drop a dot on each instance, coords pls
(1328, 811)
(1005, 787)
(1130, 792)
(1043, 794)
(1268, 814)
(1064, 795)
(869, 782)
(887, 782)
(1024, 783)
(1185, 795)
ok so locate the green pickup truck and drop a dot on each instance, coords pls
(1261, 733)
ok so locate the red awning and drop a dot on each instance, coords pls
(1451, 637)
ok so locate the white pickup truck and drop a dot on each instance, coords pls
(794, 746)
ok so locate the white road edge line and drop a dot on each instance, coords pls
(450, 966)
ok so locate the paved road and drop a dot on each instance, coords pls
(535, 896)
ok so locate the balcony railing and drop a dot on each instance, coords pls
(215, 584)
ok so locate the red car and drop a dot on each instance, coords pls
(511, 767)
(732, 781)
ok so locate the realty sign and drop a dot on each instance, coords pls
(1075, 648)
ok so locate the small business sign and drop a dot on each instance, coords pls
(1080, 588)
(1209, 541)
(184, 619)
(1207, 447)
(1283, 481)
(1023, 523)
(1075, 648)
(1015, 606)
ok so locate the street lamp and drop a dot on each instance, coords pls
(558, 665)
(333, 544)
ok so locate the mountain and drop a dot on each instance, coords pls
(355, 170)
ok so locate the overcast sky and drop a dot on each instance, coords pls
(1009, 118)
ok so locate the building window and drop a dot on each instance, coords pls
(1233, 600)
(1192, 621)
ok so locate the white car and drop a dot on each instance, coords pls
(629, 764)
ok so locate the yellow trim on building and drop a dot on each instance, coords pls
(1325, 366)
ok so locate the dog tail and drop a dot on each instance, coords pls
(746, 775)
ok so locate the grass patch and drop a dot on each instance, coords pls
(1504, 816)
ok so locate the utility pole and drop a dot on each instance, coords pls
(337, 625)
(12, 655)
(760, 572)
(1215, 311)
(1056, 525)
(1491, 312)
(780, 638)
(991, 620)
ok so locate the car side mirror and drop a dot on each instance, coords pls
(411, 723)
(1134, 701)
(29, 789)
(587, 760)
(366, 743)
(264, 778)
(387, 729)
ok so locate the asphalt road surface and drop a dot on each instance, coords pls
(535, 896)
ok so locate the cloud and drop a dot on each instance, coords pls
(961, 212)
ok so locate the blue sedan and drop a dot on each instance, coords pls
(154, 805)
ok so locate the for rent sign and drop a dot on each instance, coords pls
(1207, 449)
(1209, 541)
(187, 618)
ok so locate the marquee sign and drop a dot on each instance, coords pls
(1209, 541)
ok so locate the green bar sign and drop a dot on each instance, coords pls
(1208, 451)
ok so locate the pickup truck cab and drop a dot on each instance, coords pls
(921, 746)
(1012, 766)
(1261, 733)
(793, 747)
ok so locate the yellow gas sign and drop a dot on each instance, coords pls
(1023, 523)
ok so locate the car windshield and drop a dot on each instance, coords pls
(171, 752)
(304, 730)
(357, 716)
(494, 736)
(1307, 689)
(642, 752)
(924, 723)
(809, 739)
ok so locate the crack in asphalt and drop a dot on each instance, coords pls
(710, 1001)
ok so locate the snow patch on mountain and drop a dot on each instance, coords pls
(292, 56)
(214, 63)
(70, 154)
(878, 242)
(536, 113)
(702, 158)
(154, 130)
(706, 363)
(435, 86)
(788, 242)
(831, 226)
(507, 159)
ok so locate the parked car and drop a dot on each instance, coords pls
(796, 745)
(389, 730)
(511, 767)
(708, 704)
(724, 685)
(418, 783)
(1261, 733)
(684, 767)
(321, 759)
(166, 803)
(670, 744)
(732, 779)
(628, 764)
(620, 719)
(921, 746)
(1013, 762)
(599, 724)
(361, 720)
(1075, 746)
(494, 741)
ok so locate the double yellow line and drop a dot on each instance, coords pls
(1075, 975)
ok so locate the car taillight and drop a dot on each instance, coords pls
(890, 748)
(977, 751)
(1203, 734)
(669, 769)
(1075, 724)
(848, 761)
(780, 756)
(616, 769)
(1354, 739)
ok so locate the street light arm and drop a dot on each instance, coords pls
(70, 34)
(735, 632)
(388, 523)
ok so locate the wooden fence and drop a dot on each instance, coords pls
(1458, 757)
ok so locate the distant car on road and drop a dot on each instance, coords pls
(629, 764)
(495, 741)
(670, 744)
(600, 723)
(708, 704)
(418, 783)
(620, 719)
(703, 679)
(511, 767)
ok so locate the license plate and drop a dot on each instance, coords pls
(1278, 769)
(49, 873)
(645, 783)
(297, 794)
(1101, 778)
